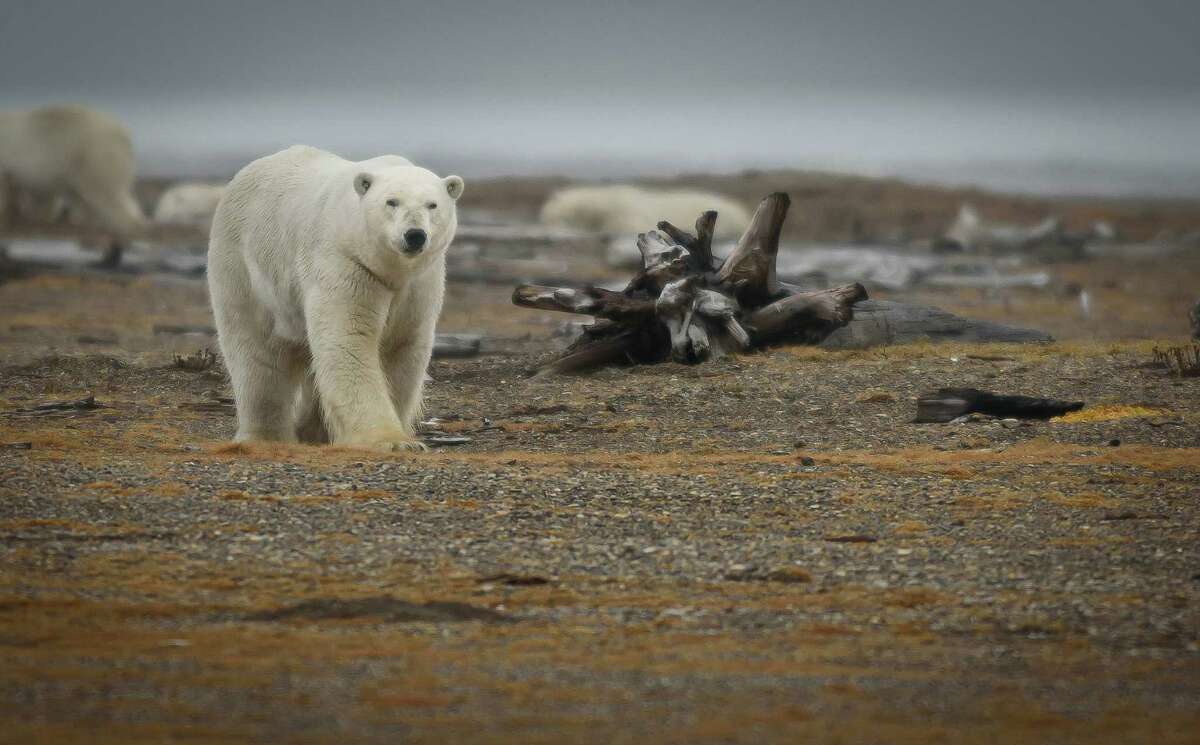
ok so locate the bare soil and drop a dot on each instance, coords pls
(762, 548)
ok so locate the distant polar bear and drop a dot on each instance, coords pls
(327, 279)
(75, 151)
(618, 209)
(188, 204)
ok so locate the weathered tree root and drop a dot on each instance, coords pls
(686, 305)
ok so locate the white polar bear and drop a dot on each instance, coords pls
(327, 279)
(619, 209)
(188, 203)
(75, 151)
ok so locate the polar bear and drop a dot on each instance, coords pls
(622, 209)
(75, 151)
(188, 203)
(326, 278)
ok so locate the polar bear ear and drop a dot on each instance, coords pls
(454, 186)
(362, 182)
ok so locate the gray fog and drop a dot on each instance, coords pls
(1091, 97)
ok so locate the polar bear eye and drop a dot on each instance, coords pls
(393, 202)
(432, 205)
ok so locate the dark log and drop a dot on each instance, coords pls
(678, 235)
(805, 316)
(457, 345)
(678, 306)
(675, 307)
(589, 353)
(883, 322)
(947, 404)
(706, 225)
(591, 301)
(750, 269)
(698, 245)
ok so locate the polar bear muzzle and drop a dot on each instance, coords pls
(414, 240)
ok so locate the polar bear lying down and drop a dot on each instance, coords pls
(327, 279)
(618, 209)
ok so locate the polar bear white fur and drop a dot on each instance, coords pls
(75, 151)
(327, 278)
(188, 203)
(621, 209)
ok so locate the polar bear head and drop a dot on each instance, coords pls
(408, 211)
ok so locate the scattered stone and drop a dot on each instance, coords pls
(16, 445)
(531, 410)
(198, 361)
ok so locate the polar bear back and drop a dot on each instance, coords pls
(619, 208)
(41, 148)
(188, 203)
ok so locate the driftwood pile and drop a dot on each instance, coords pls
(686, 305)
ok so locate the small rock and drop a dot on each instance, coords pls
(1010, 423)
(739, 572)
(807, 461)
(789, 574)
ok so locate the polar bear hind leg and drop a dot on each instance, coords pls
(265, 379)
(265, 373)
(310, 425)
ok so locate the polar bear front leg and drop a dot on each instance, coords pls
(406, 364)
(344, 332)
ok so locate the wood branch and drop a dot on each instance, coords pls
(676, 308)
(679, 307)
(591, 301)
(663, 262)
(699, 246)
(678, 235)
(457, 345)
(706, 226)
(806, 316)
(591, 353)
(722, 311)
(750, 269)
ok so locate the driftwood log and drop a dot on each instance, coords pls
(685, 304)
(947, 404)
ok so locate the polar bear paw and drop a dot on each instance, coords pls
(386, 442)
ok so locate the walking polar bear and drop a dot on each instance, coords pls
(77, 152)
(327, 278)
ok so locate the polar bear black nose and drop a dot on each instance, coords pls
(415, 239)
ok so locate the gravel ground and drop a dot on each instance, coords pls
(761, 548)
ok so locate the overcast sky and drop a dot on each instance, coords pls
(738, 83)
